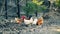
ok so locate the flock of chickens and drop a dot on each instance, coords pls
(32, 20)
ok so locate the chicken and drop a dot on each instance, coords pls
(18, 20)
(23, 17)
(35, 21)
(40, 21)
(28, 21)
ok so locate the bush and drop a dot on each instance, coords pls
(57, 3)
(31, 7)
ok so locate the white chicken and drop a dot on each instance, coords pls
(28, 21)
(35, 21)
(38, 21)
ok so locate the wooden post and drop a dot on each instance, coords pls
(6, 9)
(36, 13)
(18, 9)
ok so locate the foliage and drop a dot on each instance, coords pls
(31, 7)
(37, 2)
(57, 3)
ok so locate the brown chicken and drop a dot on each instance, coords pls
(18, 20)
(40, 21)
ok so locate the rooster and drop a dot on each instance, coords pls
(28, 21)
(40, 21)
